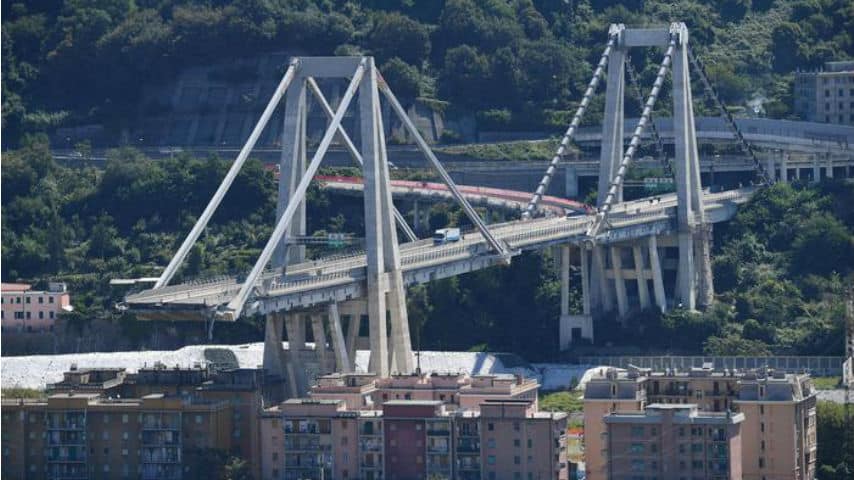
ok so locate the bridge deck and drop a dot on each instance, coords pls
(341, 278)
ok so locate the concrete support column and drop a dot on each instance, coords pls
(784, 168)
(816, 169)
(640, 272)
(339, 346)
(612, 124)
(274, 354)
(319, 334)
(657, 278)
(770, 167)
(606, 300)
(685, 279)
(619, 283)
(565, 324)
(829, 167)
(352, 338)
(585, 280)
(571, 181)
(564, 279)
(295, 326)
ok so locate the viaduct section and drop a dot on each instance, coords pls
(629, 255)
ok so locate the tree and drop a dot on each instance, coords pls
(404, 79)
(237, 469)
(735, 345)
(786, 43)
(465, 72)
(396, 35)
(823, 245)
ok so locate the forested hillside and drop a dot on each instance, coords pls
(512, 62)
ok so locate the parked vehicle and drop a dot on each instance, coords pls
(446, 235)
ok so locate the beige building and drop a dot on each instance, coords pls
(826, 96)
(88, 436)
(185, 393)
(674, 441)
(413, 427)
(785, 401)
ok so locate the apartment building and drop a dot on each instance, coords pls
(88, 436)
(674, 441)
(238, 393)
(26, 310)
(827, 95)
(355, 426)
(765, 398)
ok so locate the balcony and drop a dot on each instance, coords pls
(437, 449)
(370, 445)
(468, 464)
(468, 447)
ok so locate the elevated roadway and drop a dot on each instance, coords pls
(324, 280)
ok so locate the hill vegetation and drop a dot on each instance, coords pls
(516, 63)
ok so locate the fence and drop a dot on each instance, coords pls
(820, 366)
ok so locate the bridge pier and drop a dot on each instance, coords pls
(640, 272)
(619, 283)
(657, 277)
(573, 327)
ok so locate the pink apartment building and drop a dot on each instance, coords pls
(28, 310)
(357, 426)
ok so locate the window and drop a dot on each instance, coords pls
(517, 460)
(105, 435)
(41, 315)
(49, 299)
(17, 299)
(28, 313)
(41, 299)
(51, 315)
(762, 445)
(28, 299)
(198, 419)
(124, 452)
(638, 465)
(517, 443)
(636, 448)
(826, 93)
(637, 431)
(530, 443)
(841, 92)
(125, 419)
(19, 315)
(490, 459)
(762, 427)
(516, 426)
(106, 451)
(761, 462)
(124, 435)
(490, 443)
(761, 409)
(490, 426)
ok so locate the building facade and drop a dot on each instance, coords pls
(674, 441)
(778, 432)
(161, 423)
(826, 96)
(28, 310)
(88, 436)
(414, 427)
